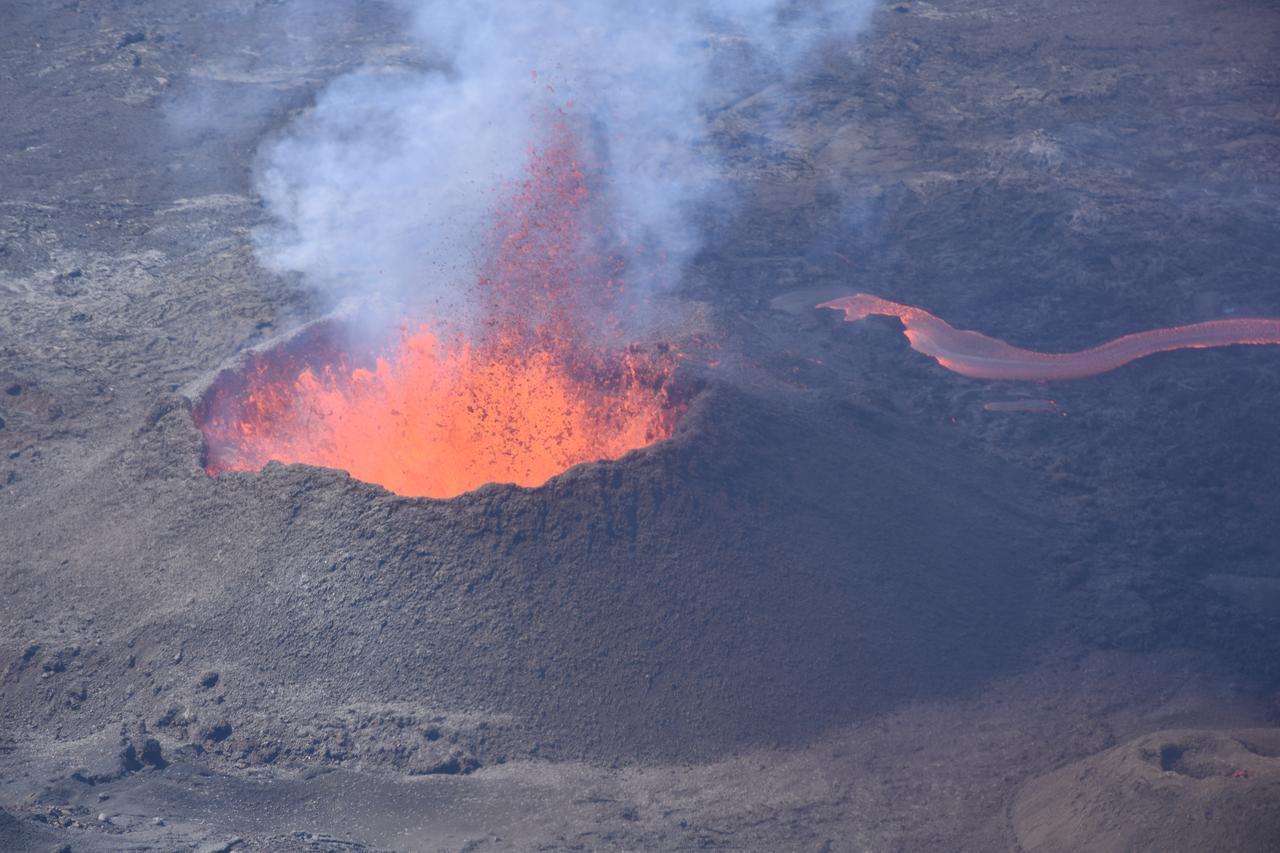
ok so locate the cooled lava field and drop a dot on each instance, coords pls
(418, 430)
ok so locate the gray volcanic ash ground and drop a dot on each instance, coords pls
(855, 602)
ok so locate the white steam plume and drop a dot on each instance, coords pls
(386, 185)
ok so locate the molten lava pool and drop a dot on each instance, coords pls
(545, 379)
(435, 418)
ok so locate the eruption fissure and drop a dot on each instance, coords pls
(978, 356)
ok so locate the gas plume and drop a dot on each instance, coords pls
(977, 356)
(384, 186)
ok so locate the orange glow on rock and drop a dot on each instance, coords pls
(978, 356)
(545, 381)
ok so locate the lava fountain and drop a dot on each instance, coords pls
(544, 380)
(978, 356)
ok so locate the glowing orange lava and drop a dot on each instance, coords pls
(980, 357)
(438, 420)
(546, 383)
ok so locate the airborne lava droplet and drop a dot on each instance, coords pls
(547, 382)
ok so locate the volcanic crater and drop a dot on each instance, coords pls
(429, 418)
(635, 607)
(616, 566)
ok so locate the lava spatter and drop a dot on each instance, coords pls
(545, 380)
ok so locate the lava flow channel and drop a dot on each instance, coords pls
(530, 392)
(978, 356)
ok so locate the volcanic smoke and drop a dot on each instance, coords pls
(545, 382)
(977, 356)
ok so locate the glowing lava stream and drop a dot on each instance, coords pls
(977, 356)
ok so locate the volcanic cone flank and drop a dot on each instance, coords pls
(683, 600)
